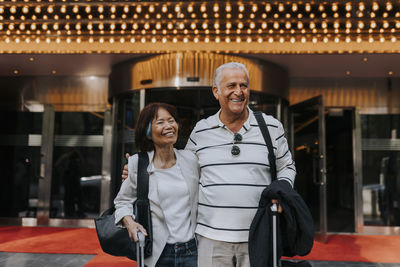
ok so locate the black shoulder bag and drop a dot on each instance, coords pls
(115, 240)
(268, 142)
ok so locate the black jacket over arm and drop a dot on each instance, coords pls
(295, 226)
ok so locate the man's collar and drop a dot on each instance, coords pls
(216, 121)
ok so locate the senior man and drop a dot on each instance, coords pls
(233, 159)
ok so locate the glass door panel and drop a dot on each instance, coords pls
(20, 134)
(77, 165)
(381, 169)
(308, 120)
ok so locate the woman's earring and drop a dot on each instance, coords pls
(148, 132)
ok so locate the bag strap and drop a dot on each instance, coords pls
(267, 138)
(143, 177)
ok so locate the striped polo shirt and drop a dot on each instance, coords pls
(231, 186)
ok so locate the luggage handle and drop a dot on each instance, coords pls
(140, 249)
(274, 209)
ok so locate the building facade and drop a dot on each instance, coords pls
(74, 76)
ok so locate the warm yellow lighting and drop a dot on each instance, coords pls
(143, 40)
(370, 39)
(101, 40)
(358, 40)
(389, 6)
(164, 9)
(240, 25)
(281, 7)
(216, 8)
(132, 40)
(75, 9)
(325, 40)
(348, 25)
(177, 9)
(264, 25)
(312, 25)
(393, 39)
(174, 40)
(276, 25)
(268, 7)
(249, 40)
(48, 40)
(336, 40)
(25, 10)
(270, 40)
(308, 7)
(300, 25)
(294, 7)
(334, 7)
(360, 25)
(348, 7)
(348, 40)
(324, 25)
(321, 8)
(139, 9)
(292, 40)
(385, 24)
(203, 8)
(382, 39)
(375, 6)
(154, 40)
(253, 25)
(281, 40)
(228, 25)
(303, 39)
(373, 24)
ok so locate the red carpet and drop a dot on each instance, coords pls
(364, 248)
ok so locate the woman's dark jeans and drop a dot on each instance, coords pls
(179, 255)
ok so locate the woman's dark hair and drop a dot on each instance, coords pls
(148, 113)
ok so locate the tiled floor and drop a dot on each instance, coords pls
(43, 260)
(78, 260)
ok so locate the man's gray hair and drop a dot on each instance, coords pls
(229, 65)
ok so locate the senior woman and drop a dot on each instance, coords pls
(173, 189)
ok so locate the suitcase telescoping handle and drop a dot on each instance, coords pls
(274, 209)
(140, 250)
